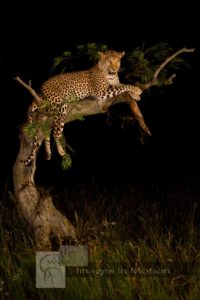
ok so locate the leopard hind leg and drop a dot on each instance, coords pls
(47, 144)
(58, 132)
(35, 147)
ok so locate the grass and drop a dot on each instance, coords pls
(149, 249)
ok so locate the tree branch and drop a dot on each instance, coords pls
(154, 81)
(29, 88)
(89, 106)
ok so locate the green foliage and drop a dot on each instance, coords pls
(71, 99)
(91, 49)
(44, 105)
(60, 59)
(32, 128)
(66, 162)
(139, 65)
(44, 126)
(85, 52)
(142, 62)
(78, 117)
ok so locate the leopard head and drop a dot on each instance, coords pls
(110, 61)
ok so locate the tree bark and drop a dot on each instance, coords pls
(34, 203)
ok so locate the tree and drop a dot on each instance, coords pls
(147, 67)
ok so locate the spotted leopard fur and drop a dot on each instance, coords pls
(100, 82)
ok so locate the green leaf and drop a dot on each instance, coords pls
(57, 61)
(72, 98)
(91, 46)
(66, 162)
(31, 129)
(80, 48)
(79, 117)
(67, 53)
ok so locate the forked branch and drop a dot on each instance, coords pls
(30, 89)
(154, 80)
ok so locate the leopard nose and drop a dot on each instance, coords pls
(112, 72)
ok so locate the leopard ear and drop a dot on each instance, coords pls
(122, 53)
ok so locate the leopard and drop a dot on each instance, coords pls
(100, 82)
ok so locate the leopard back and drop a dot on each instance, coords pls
(81, 84)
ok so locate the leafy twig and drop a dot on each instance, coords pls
(154, 81)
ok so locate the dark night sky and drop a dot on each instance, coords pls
(30, 40)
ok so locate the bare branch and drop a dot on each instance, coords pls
(29, 88)
(154, 81)
(170, 79)
(168, 59)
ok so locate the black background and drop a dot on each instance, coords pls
(32, 35)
